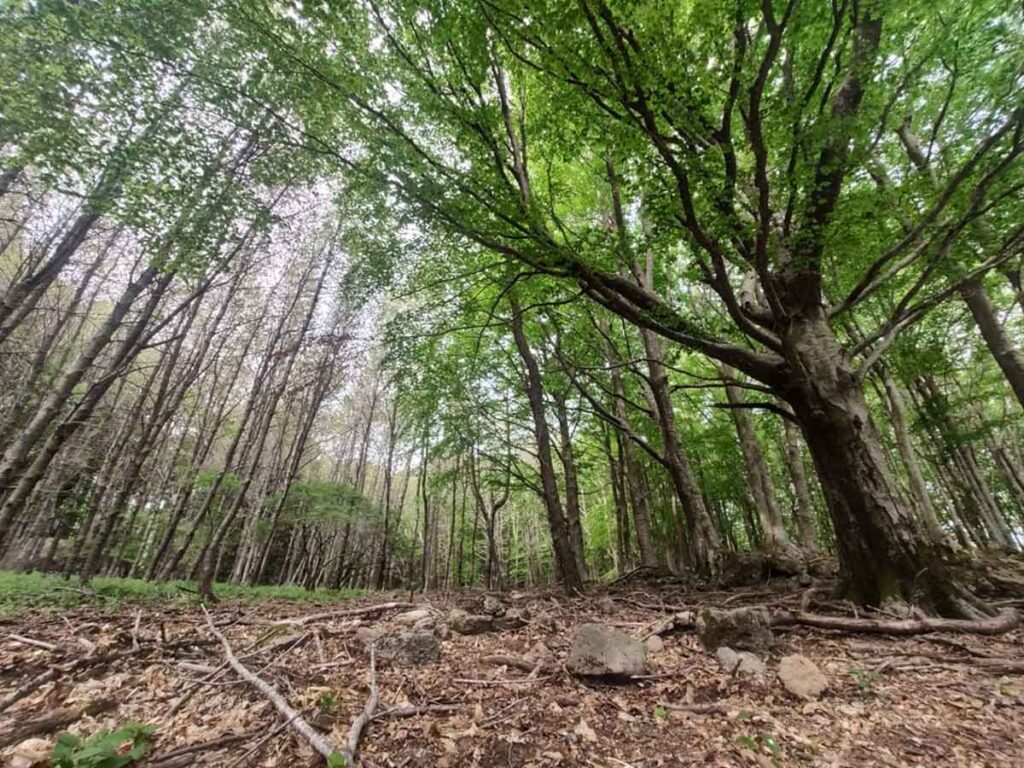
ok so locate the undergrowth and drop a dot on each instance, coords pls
(20, 591)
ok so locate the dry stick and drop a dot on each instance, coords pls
(356, 731)
(411, 710)
(699, 709)
(1007, 620)
(51, 721)
(365, 611)
(256, 747)
(225, 740)
(37, 643)
(319, 744)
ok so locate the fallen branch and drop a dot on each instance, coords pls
(313, 737)
(300, 621)
(182, 756)
(412, 710)
(35, 643)
(1005, 621)
(697, 709)
(360, 723)
(52, 721)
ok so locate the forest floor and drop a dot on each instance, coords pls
(911, 701)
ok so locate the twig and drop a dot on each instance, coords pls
(300, 621)
(171, 758)
(700, 709)
(54, 720)
(315, 740)
(360, 723)
(33, 642)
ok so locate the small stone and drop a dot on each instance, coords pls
(801, 676)
(740, 663)
(468, 623)
(367, 635)
(654, 644)
(544, 620)
(542, 655)
(410, 618)
(604, 651)
(606, 605)
(409, 647)
(748, 629)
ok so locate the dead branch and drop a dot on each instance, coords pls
(412, 710)
(52, 721)
(698, 709)
(35, 643)
(1005, 621)
(183, 755)
(300, 621)
(313, 737)
(360, 723)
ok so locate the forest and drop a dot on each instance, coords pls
(511, 382)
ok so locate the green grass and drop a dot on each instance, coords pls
(21, 591)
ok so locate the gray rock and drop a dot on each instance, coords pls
(544, 620)
(409, 647)
(367, 635)
(492, 606)
(748, 629)
(514, 618)
(542, 655)
(606, 605)
(801, 677)
(464, 623)
(413, 617)
(740, 663)
(654, 644)
(605, 652)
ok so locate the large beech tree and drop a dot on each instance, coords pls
(752, 136)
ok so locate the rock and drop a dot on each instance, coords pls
(654, 644)
(544, 620)
(492, 606)
(606, 652)
(469, 623)
(747, 629)
(541, 654)
(411, 618)
(606, 605)
(367, 635)
(409, 647)
(740, 663)
(514, 618)
(801, 676)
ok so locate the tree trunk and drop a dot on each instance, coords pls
(565, 558)
(884, 556)
(1010, 360)
(804, 512)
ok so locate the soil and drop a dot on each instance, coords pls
(929, 700)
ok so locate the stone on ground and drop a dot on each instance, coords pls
(410, 618)
(654, 644)
(469, 623)
(541, 655)
(801, 676)
(747, 629)
(602, 651)
(492, 606)
(367, 635)
(513, 618)
(409, 647)
(739, 662)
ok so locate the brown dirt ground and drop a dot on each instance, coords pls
(917, 701)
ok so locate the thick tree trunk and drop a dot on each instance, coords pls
(884, 556)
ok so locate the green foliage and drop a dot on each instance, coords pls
(106, 749)
(20, 591)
